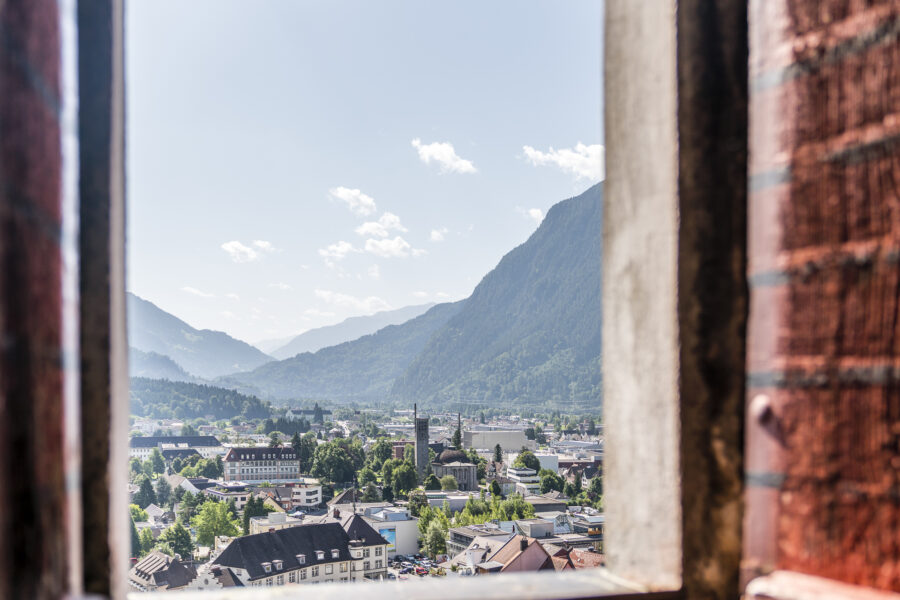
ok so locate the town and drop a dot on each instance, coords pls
(317, 495)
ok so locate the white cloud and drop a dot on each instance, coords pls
(280, 286)
(535, 214)
(417, 252)
(381, 227)
(442, 295)
(443, 154)
(264, 245)
(374, 271)
(369, 304)
(389, 248)
(337, 250)
(585, 162)
(240, 253)
(438, 235)
(228, 314)
(232, 296)
(361, 204)
(315, 312)
(196, 292)
(421, 294)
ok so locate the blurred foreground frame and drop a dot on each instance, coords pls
(717, 289)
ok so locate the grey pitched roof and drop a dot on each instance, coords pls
(202, 441)
(253, 453)
(162, 571)
(359, 530)
(251, 551)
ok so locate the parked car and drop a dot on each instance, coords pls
(421, 571)
(406, 570)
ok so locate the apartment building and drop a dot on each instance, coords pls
(206, 445)
(256, 465)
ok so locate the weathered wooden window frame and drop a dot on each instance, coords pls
(664, 361)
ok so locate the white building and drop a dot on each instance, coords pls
(206, 445)
(257, 465)
(527, 481)
(509, 439)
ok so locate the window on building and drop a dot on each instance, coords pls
(366, 566)
(329, 569)
(343, 567)
(314, 572)
(379, 550)
(292, 577)
(334, 553)
(320, 554)
(302, 574)
(280, 580)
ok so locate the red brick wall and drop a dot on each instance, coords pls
(823, 456)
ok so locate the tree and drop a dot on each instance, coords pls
(366, 476)
(432, 483)
(457, 439)
(179, 539)
(435, 539)
(177, 465)
(371, 494)
(528, 460)
(332, 463)
(232, 508)
(187, 429)
(379, 453)
(551, 481)
(163, 491)
(274, 440)
(387, 494)
(214, 519)
(404, 479)
(156, 461)
(409, 454)
(417, 501)
(495, 489)
(318, 415)
(481, 417)
(306, 451)
(135, 541)
(138, 514)
(529, 433)
(596, 486)
(147, 540)
(449, 483)
(387, 470)
(498, 454)
(255, 507)
(145, 495)
(592, 427)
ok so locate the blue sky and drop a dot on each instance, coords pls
(295, 163)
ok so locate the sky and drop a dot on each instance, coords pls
(293, 163)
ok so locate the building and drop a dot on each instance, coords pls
(486, 439)
(206, 445)
(314, 553)
(475, 553)
(527, 481)
(544, 504)
(239, 492)
(257, 465)
(460, 538)
(520, 554)
(273, 522)
(548, 461)
(466, 474)
(158, 572)
(421, 446)
(303, 495)
(397, 527)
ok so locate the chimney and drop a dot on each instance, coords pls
(523, 544)
(336, 514)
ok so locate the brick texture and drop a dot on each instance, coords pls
(824, 338)
(32, 482)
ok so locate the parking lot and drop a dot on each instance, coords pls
(406, 567)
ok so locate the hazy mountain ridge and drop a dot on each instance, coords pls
(153, 365)
(362, 369)
(346, 331)
(531, 331)
(202, 353)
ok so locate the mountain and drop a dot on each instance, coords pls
(530, 333)
(363, 369)
(270, 345)
(162, 399)
(347, 330)
(203, 353)
(155, 366)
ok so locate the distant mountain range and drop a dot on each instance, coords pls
(345, 331)
(201, 353)
(362, 370)
(528, 335)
